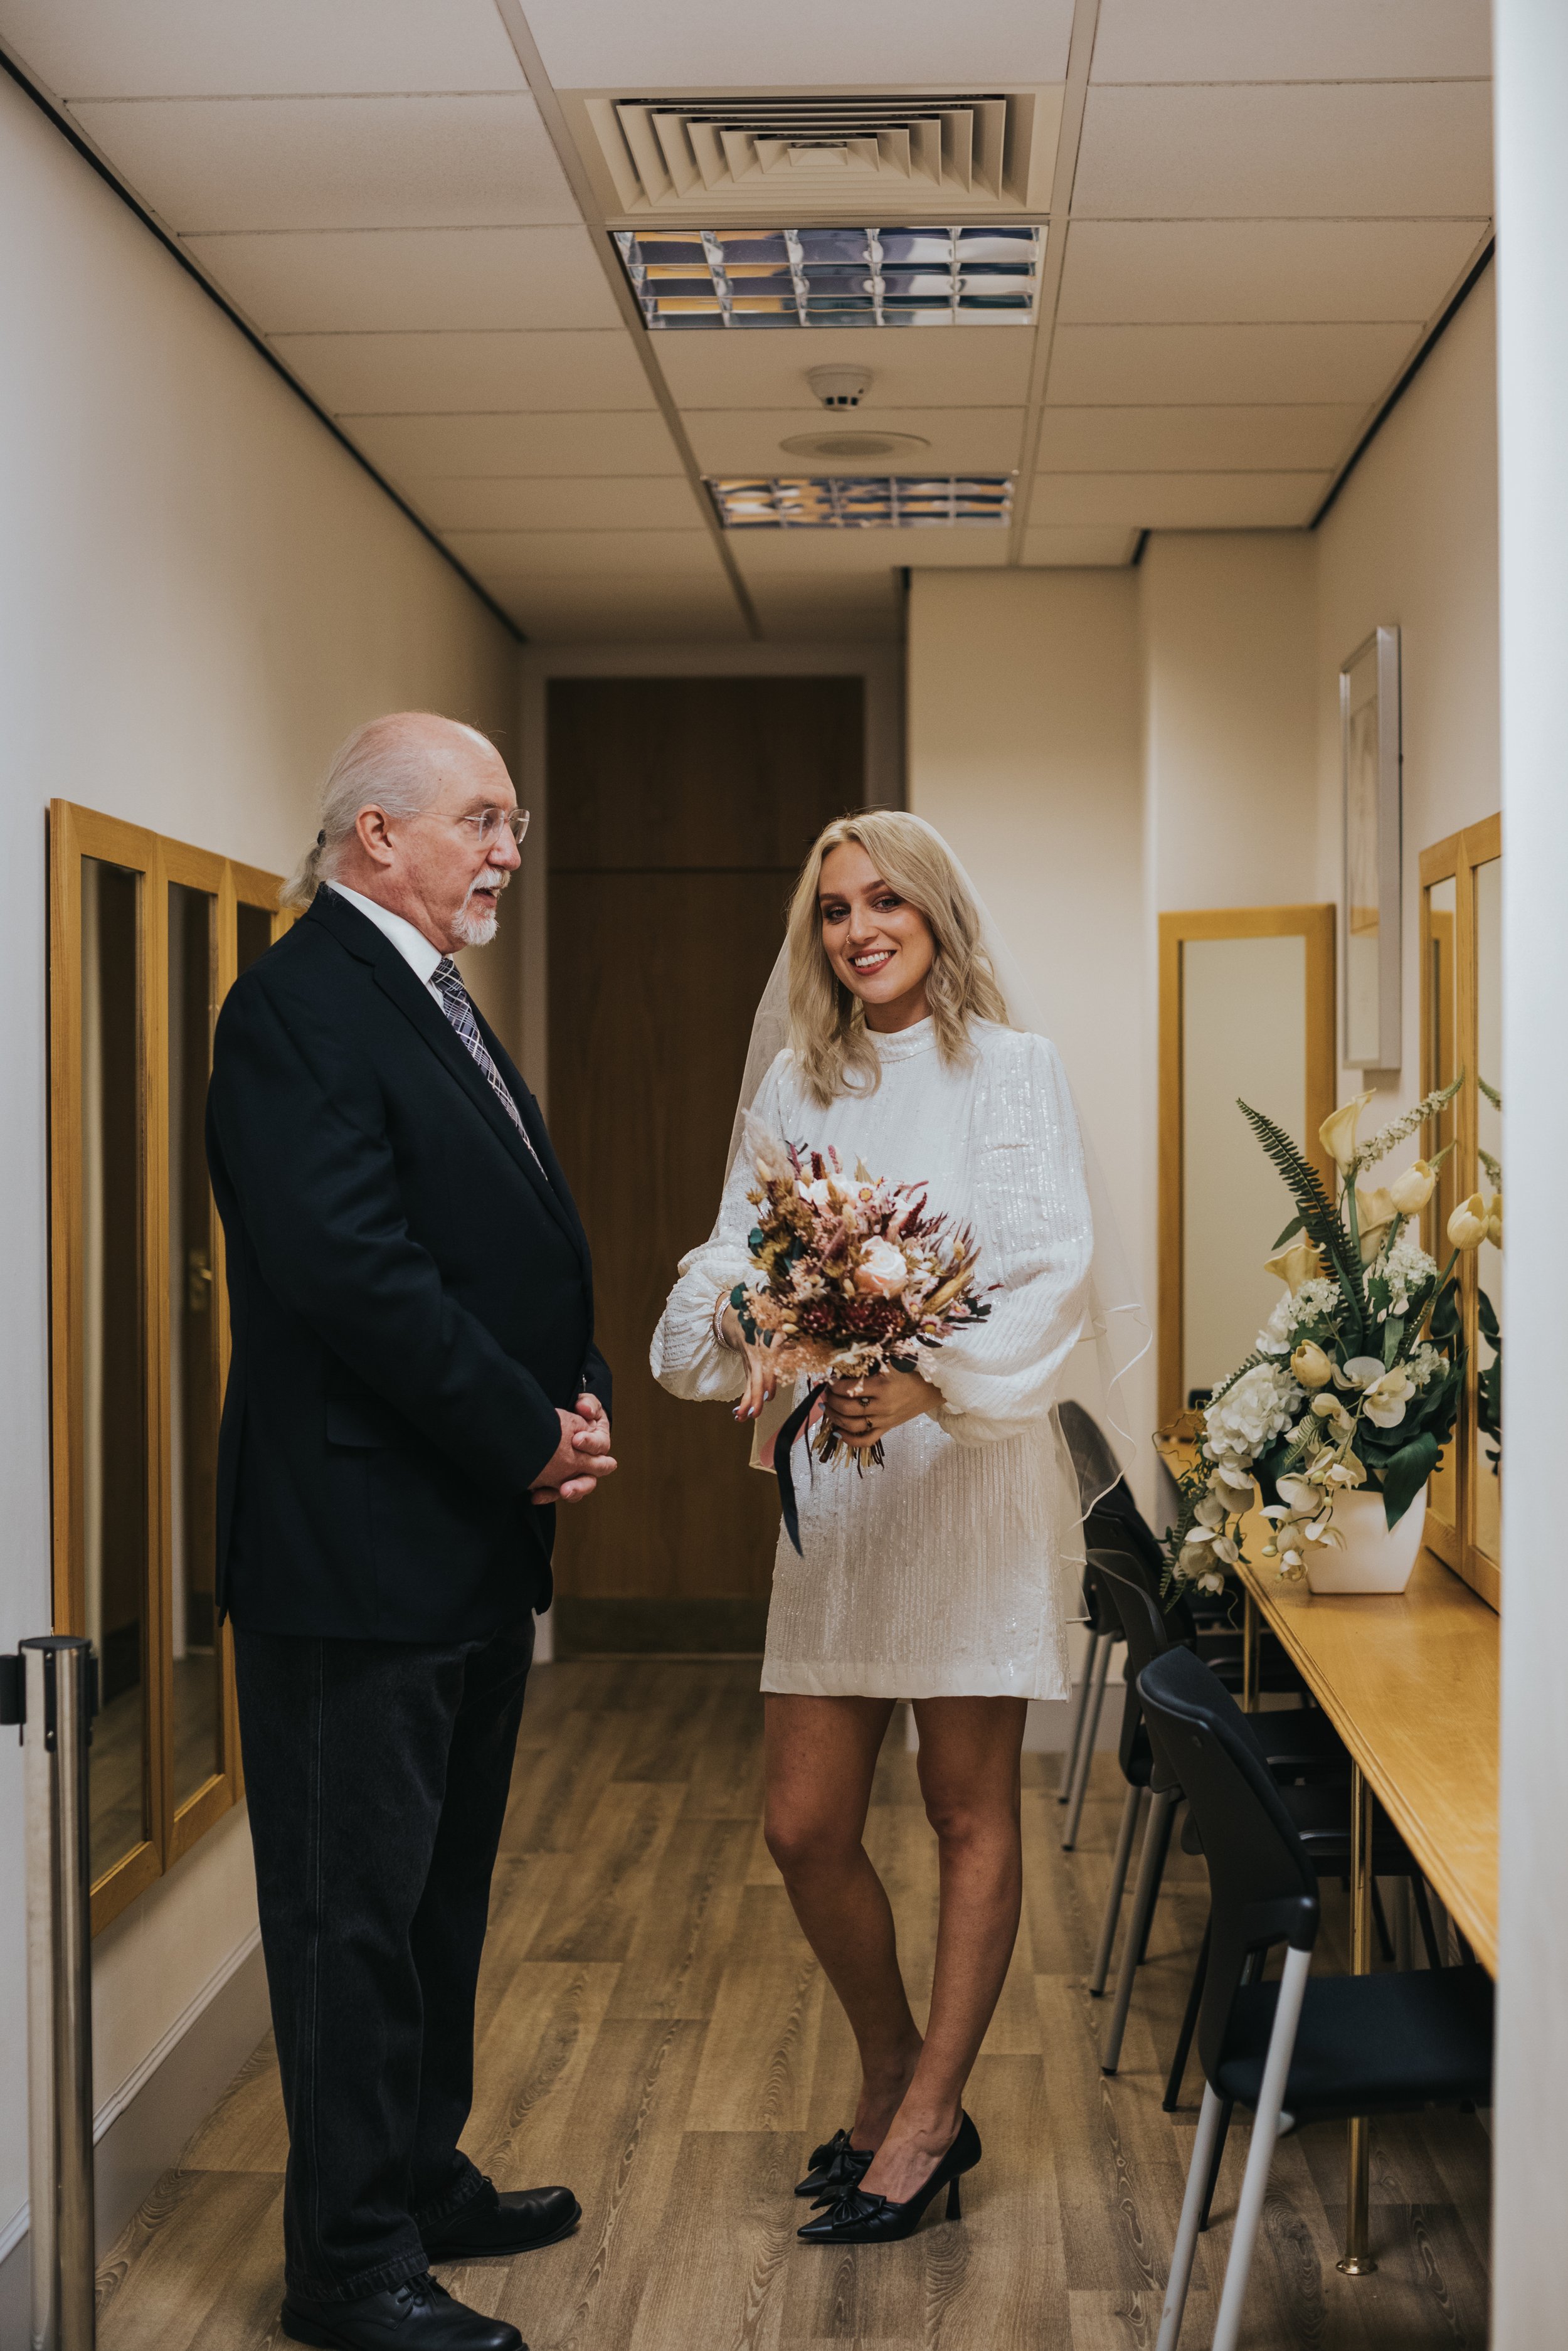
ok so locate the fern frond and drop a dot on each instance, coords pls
(1490, 1093)
(1320, 1219)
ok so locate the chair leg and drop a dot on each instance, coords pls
(1155, 1839)
(1260, 2154)
(1424, 1913)
(1080, 1708)
(1380, 1918)
(1227, 2109)
(1086, 1751)
(1186, 2231)
(1165, 1854)
(1188, 2025)
(1115, 1890)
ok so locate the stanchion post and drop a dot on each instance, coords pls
(51, 1690)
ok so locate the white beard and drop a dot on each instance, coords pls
(476, 927)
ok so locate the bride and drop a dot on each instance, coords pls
(937, 1577)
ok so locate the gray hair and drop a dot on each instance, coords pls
(387, 763)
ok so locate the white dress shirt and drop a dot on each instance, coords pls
(411, 945)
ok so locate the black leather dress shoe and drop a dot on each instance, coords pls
(418, 2315)
(517, 2222)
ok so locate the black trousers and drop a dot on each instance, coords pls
(377, 1774)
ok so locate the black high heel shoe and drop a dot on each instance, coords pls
(832, 2168)
(858, 2219)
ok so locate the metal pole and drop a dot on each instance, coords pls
(57, 1702)
(1357, 2260)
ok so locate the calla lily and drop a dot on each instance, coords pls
(1311, 1366)
(1337, 1132)
(1374, 1212)
(1494, 1220)
(1411, 1191)
(1295, 1265)
(1468, 1225)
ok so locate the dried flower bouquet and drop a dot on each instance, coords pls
(857, 1275)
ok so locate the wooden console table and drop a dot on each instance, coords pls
(1410, 1683)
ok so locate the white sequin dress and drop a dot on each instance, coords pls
(939, 1574)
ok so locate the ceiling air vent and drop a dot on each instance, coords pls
(962, 155)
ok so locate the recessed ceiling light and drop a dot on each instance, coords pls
(851, 445)
(832, 276)
(841, 502)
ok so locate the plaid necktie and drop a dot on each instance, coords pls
(460, 1012)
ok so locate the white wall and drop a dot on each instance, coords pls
(1412, 543)
(200, 593)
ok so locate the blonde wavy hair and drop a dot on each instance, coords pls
(833, 1051)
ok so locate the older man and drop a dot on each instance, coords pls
(414, 1386)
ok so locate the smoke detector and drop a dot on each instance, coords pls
(840, 387)
(845, 446)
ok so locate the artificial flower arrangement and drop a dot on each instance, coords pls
(856, 1274)
(1355, 1379)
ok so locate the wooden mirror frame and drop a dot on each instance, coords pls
(75, 833)
(1457, 858)
(1315, 925)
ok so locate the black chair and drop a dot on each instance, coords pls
(1296, 2051)
(1301, 1743)
(1098, 1473)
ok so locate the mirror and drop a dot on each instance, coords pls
(195, 1389)
(1246, 1011)
(113, 1395)
(1461, 1027)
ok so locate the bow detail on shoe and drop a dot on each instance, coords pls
(833, 2167)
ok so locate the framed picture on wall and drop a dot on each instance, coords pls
(1370, 752)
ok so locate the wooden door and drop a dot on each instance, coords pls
(681, 810)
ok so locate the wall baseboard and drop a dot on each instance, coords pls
(146, 2126)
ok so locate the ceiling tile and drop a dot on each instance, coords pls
(391, 375)
(1183, 366)
(624, 46)
(583, 554)
(591, 502)
(962, 440)
(1098, 548)
(433, 448)
(1312, 149)
(335, 163)
(827, 555)
(1262, 270)
(361, 280)
(1178, 501)
(915, 367)
(1281, 41)
(182, 48)
(1184, 439)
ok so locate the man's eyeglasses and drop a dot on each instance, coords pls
(489, 822)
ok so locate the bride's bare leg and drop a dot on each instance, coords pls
(821, 1754)
(969, 1749)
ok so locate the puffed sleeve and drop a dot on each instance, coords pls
(1031, 1214)
(686, 1356)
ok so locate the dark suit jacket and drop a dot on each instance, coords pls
(411, 1300)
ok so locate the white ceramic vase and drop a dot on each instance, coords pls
(1375, 1557)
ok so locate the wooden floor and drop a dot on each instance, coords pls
(655, 2031)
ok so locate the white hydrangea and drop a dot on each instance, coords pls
(1311, 1304)
(1426, 1363)
(1247, 1418)
(1406, 1267)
